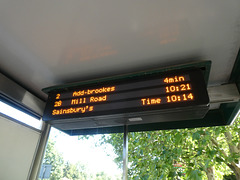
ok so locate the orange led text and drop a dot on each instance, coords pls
(182, 87)
(82, 110)
(94, 91)
(58, 103)
(78, 101)
(174, 79)
(150, 101)
(98, 99)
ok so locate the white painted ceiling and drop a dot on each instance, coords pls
(51, 42)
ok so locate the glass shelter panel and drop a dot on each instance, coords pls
(81, 157)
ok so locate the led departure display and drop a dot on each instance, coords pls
(150, 93)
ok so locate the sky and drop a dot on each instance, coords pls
(19, 115)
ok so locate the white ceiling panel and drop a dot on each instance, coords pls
(45, 43)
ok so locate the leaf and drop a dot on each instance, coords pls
(145, 177)
(199, 152)
(196, 136)
(196, 175)
(178, 138)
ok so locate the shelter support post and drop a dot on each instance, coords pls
(125, 153)
(34, 172)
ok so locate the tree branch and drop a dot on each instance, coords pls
(232, 148)
(238, 146)
(214, 141)
(232, 164)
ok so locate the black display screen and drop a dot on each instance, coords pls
(146, 93)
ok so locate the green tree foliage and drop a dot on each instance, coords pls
(61, 169)
(74, 171)
(54, 158)
(102, 176)
(200, 153)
